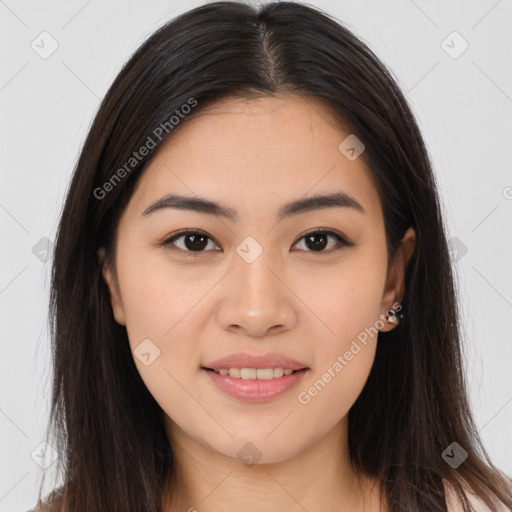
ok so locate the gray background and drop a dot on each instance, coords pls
(463, 105)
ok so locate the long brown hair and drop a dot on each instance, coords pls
(114, 452)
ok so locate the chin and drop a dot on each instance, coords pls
(256, 451)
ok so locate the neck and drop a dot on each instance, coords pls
(320, 477)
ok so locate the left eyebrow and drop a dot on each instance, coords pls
(202, 205)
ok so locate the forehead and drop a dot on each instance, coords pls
(254, 152)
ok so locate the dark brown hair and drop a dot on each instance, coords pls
(107, 427)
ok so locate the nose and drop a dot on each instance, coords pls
(257, 300)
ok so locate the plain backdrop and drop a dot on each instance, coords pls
(462, 98)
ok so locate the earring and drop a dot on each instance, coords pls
(392, 317)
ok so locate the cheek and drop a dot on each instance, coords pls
(156, 297)
(160, 325)
(161, 310)
(330, 393)
(346, 299)
(342, 361)
(348, 303)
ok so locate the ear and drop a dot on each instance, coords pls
(395, 288)
(115, 295)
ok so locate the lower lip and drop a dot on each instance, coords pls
(255, 390)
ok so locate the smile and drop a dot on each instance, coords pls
(255, 373)
(255, 384)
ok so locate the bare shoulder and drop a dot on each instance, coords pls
(42, 507)
(45, 507)
(52, 503)
(453, 503)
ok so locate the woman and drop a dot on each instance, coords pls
(252, 300)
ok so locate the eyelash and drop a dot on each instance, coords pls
(169, 241)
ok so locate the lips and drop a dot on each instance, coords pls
(255, 390)
(246, 360)
(255, 378)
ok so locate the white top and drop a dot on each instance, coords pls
(453, 503)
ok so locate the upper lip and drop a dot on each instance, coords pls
(245, 360)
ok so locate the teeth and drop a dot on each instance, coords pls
(235, 372)
(255, 373)
(277, 372)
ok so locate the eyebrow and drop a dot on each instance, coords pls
(203, 205)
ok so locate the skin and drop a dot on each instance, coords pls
(254, 156)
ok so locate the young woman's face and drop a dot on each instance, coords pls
(255, 281)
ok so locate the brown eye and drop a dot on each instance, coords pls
(195, 242)
(189, 241)
(317, 241)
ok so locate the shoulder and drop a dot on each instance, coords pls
(453, 502)
(42, 507)
(52, 503)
